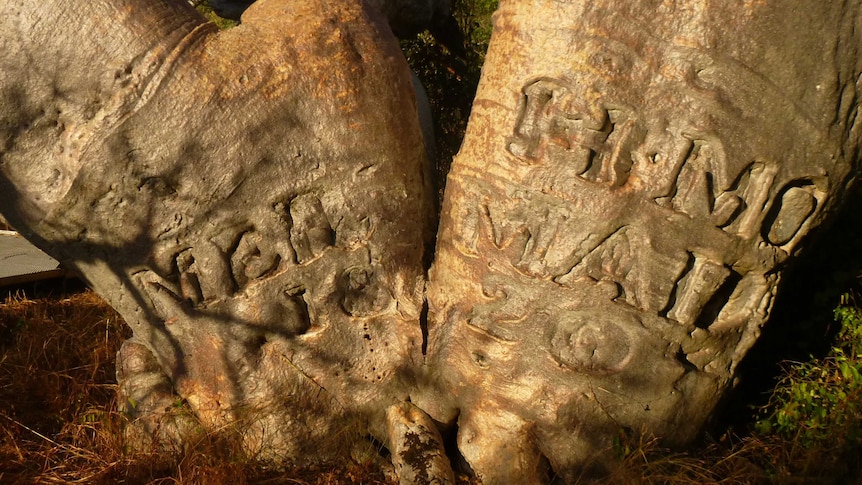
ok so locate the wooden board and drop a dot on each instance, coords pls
(21, 262)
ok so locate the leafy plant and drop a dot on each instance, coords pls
(819, 403)
(451, 79)
(204, 8)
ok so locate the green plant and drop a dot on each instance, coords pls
(451, 80)
(818, 404)
(204, 8)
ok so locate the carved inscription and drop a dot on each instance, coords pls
(567, 133)
(258, 270)
(700, 283)
(753, 187)
(559, 248)
(364, 294)
(253, 258)
(643, 276)
(311, 232)
(558, 127)
(795, 205)
(570, 141)
(703, 187)
(582, 343)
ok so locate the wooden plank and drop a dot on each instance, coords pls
(21, 262)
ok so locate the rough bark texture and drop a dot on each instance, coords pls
(253, 203)
(635, 178)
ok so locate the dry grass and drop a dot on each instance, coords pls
(58, 423)
(752, 459)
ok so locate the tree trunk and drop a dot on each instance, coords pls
(635, 178)
(239, 197)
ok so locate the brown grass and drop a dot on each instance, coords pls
(736, 460)
(58, 423)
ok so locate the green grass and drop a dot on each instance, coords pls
(450, 80)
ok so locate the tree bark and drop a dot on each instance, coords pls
(256, 205)
(635, 178)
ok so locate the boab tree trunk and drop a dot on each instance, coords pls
(635, 178)
(253, 202)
